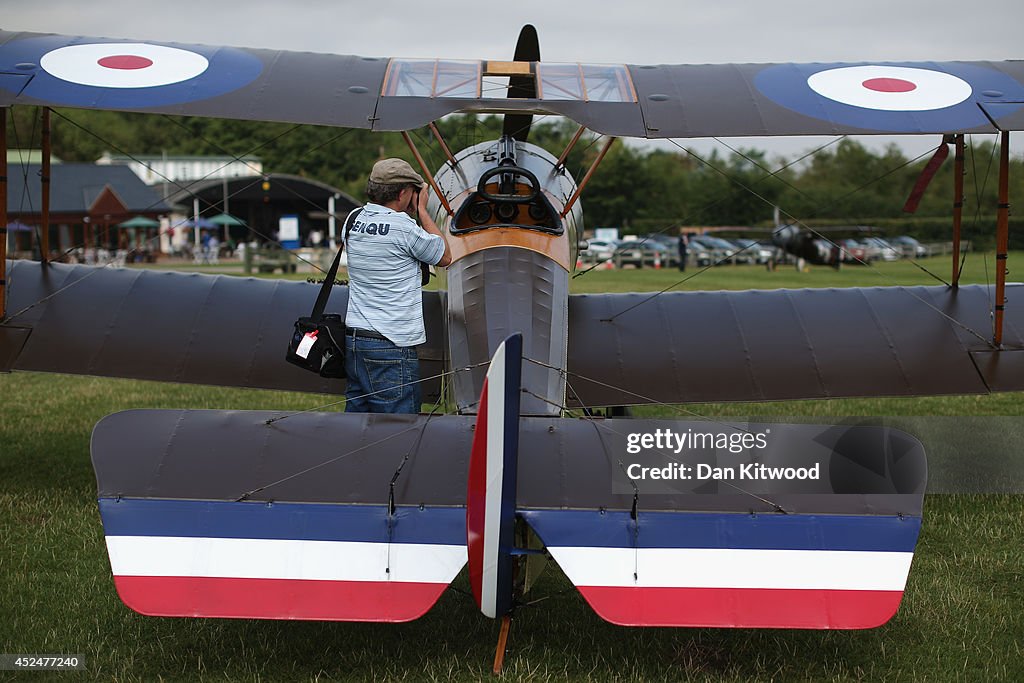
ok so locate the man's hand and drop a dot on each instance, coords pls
(422, 197)
(428, 223)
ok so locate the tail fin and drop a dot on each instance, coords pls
(491, 489)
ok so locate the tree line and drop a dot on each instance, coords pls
(635, 188)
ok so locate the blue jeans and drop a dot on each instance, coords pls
(382, 377)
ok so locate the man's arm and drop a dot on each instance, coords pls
(428, 224)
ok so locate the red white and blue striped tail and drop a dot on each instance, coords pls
(491, 487)
(706, 569)
(204, 558)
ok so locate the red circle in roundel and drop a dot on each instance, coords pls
(125, 62)
(889, 85)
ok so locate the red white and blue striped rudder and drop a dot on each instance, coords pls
(491, 487)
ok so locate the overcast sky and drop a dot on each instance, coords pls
(664, 31)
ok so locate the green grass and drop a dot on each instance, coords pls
(979, 268)
(962, 617)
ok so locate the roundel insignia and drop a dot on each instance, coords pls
(128, 75)
(888, 97)
(123, 65)
(890, 88)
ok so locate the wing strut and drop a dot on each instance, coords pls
(958, 204)
(444, 145)
(427, 174)
(586, 178)
(1002, 233)
(3, 213)
(568, 148)
(44, 245)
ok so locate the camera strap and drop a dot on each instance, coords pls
(325, 289)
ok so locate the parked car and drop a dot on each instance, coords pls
(909, 247)
(699, 253)
(599, 250)
(660, 253)
(757, 252)
(726, 251)
(878, 248)
(630, 253)
(854, 252)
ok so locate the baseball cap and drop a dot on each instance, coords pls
(395, 172)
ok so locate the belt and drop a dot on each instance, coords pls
(369, 334)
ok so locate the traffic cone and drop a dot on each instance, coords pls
(657, 260)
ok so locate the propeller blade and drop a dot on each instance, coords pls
(522, 87)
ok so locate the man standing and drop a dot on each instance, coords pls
(682, 250)
(385, 306)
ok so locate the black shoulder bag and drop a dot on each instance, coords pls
(318, 341)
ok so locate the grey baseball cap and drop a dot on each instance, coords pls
(395, 172)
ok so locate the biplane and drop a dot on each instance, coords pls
(334, 516)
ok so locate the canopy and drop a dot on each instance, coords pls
(139, 222)
(226, 219)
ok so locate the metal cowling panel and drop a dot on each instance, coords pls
(497, 292)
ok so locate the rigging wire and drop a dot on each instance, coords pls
(913, 261)
(814, 232)
(603, 424)
(183, 187)
(26, 197)
(360, 449)
(441, 375)
(978, 193)
(187, 187)
(710, 205)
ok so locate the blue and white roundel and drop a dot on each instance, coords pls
(126, 74)
(123, 65)
(889, 97)
(890, 88)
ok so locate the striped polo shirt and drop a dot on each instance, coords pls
(385, 249)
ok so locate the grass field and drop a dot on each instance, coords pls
(962, 617)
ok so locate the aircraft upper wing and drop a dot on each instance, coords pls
(659, 101)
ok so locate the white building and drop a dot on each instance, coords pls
(155, 169)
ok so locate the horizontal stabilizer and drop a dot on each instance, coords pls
(733, 570)
(363, 517)
(281, 560)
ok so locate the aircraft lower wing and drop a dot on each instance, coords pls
(173, 327)
(682, 347)
(679, 347)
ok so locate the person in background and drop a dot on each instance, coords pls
(683, 238)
